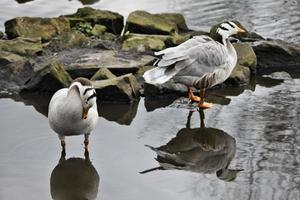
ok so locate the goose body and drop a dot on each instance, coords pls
(73, 111)
(200, 62)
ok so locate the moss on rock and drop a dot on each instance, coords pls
(32, 27)
(111, 20)
(22, 46)
(144, 22)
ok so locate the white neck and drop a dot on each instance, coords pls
(225, 72)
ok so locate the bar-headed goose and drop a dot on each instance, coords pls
(73, 110)
(200, 62)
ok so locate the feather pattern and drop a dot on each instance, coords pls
(198, 58)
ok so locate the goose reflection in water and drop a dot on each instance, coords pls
(74, 179)
(201, 150)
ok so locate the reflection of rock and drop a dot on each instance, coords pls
(201, 150)
(121, 113)
(88, 2)
(23, 1)
(74, 179)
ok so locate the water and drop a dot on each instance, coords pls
(274, 19)
(258, 130)
(263, 124)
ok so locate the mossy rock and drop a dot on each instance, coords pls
(142, 44)
(240, 75)
(146, 23)
(276, 55)
(1, 34)
(32, 27)
(145, 42)
(102, 74)
(246, 56)
(69, 40)
(176, 18)
(15, 70)
(123, 88)
(111, 20)
(22, 46)
(49, 79)
(98, 30)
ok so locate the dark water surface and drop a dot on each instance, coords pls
(257, 131)
(275, 19)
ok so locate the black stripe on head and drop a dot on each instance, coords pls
(92, 96)
(223, 28)
(229, 24)
(86, 90)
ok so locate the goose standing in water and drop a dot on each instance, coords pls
(200, 62)
(73, 110)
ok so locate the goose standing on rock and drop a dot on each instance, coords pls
(73, 110)
(200, 62)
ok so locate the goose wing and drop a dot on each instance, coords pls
(195, 57)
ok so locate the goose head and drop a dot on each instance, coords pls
(86, 92)
(228, 29)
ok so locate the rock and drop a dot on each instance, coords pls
(22, 46)
(69, 40)
(176, 18)
(32, 27)
(145, 42)
(146, 23)
(142, 44)
(111, 20)
(84, 62)
(48, 79)
(1, 34)
(169, 89)
(246, 56)
(276, 55)
(98, 30)
(123, 88)
(14, 71)
(102, 74)
(239, 76)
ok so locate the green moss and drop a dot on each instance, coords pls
(144, 22)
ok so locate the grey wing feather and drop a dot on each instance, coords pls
(199, 53)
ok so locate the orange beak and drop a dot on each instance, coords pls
(85, 112)
(240, 30)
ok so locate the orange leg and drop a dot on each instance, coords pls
(192, 97)
(202, 104)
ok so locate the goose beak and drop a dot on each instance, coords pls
(240, 30)
(85, 113)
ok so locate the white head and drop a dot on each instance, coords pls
(86, 92)
(229, 28)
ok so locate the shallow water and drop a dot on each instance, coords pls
(275, 19)
(261, 128)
